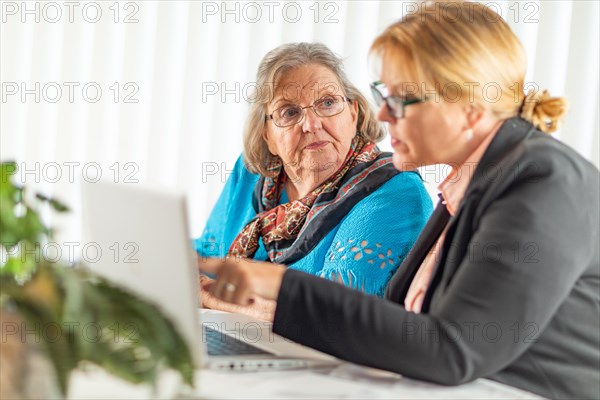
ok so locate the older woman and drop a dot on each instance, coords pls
(504, 281)
(312, 191)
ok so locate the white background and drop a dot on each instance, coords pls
(174, 76)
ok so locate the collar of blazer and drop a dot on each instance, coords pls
(490, 168)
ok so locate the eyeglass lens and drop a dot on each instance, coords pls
(326, 106)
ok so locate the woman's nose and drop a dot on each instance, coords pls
(312, 122)
(383, 114)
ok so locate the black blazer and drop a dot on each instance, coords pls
(516, 293)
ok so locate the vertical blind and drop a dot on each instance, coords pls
(155, 92)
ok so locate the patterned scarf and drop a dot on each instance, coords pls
(281, 224)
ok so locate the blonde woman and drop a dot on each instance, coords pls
(504, 281)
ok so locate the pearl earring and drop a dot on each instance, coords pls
(469, 133)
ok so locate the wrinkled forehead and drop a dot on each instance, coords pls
(305, 84)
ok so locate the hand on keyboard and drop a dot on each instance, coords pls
(260, 309)
(241, 280)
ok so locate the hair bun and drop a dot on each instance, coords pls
(543, 111)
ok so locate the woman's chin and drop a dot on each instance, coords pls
(321, 163)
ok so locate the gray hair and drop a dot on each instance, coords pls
(275, 64)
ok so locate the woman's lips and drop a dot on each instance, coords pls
(316, 145)
(395, 142)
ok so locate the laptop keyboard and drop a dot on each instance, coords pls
(220, 344)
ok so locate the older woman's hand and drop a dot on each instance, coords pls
(261, 308)
(242, 281)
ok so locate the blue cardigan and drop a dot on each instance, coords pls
(363, 251)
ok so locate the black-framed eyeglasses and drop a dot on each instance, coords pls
(394, 104)
(291, 114)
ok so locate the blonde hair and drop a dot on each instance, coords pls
(459, 51)
(272, 68)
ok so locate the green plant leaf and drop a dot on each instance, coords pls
(58, 206)
(7, 169)
(55, 204)
(134, 339)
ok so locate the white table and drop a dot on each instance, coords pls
(347, 381)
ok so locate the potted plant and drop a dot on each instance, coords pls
(69, 316)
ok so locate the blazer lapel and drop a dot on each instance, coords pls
(489, 170)
(441, 268)
(400, 282)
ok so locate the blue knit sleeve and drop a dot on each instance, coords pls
(230, 214)
(373, 239)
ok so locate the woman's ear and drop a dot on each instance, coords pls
(270, 145)
(354, 111)
(474, 113)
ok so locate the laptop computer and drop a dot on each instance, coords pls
(140, 240)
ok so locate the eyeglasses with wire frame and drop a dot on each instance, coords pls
(292, 114)
(394, 104)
